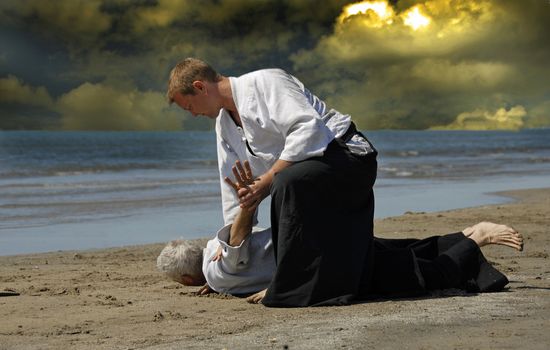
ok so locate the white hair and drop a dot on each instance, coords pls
(181, 257)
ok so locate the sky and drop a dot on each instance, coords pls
(406, 64)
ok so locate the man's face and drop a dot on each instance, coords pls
(199, 104)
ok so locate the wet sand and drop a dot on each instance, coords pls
(116, 299)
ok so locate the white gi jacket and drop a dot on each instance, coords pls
(281, 120)
(244, 269)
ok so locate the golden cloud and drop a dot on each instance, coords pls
(421, 63)
(391, 64)
(374, 30)
(80, 20)
(374, 14)
(103, 107)
(111, 105)
(209, 13)
(163, 14)
(15, 91)
(462, 75)
(482, 119)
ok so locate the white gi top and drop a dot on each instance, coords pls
(247, 268)
(281, 120)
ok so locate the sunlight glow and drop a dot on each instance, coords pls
(415, 19)
(379, 14)
(383, 11)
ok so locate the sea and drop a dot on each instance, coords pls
(86, 190)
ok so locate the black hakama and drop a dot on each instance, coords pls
(322, 225)
(408, 267)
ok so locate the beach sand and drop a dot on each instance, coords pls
(116, 299)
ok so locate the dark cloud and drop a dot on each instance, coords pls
(104, 63)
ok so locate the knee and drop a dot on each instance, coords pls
(282, 181)
(308, 178)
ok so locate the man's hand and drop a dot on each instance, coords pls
(251, 191)
(251, 196)
(243, 176)
(205, 290)
(218, 255)
(257, 298)
(255, 193)
(242, 225)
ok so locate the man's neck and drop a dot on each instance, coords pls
(228, 103)
(226, 95)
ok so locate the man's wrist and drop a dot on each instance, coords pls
(265, 183)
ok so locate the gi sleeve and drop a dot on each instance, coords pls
(233, 257)
(305, 133)
(227, 156)
(246, 268)
(226, 159)
(227, 274)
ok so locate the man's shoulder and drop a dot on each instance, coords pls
(263, 74)
(270, 80)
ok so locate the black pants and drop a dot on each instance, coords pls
(408, 267)
(322, 220)
(322, 224)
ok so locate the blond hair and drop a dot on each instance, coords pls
(185, 73)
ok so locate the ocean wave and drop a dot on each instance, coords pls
(44, 213)
(97, 192)
(409, 153)
(8, 171)
(404, 173)
(130, 184)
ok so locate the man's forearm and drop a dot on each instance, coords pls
(251, 196)
(278, 166)
(241, 227)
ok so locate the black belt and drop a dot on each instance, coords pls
(352, 130)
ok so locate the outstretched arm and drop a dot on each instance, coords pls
(242, 226)
(228, 270)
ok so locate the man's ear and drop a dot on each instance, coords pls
(199, 85)
(187, 280)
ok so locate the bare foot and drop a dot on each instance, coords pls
(489, 233)
(256, 298)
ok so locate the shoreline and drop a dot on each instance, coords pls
(161, 226)
(116, 299)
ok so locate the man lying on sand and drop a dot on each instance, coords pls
(240, 260)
